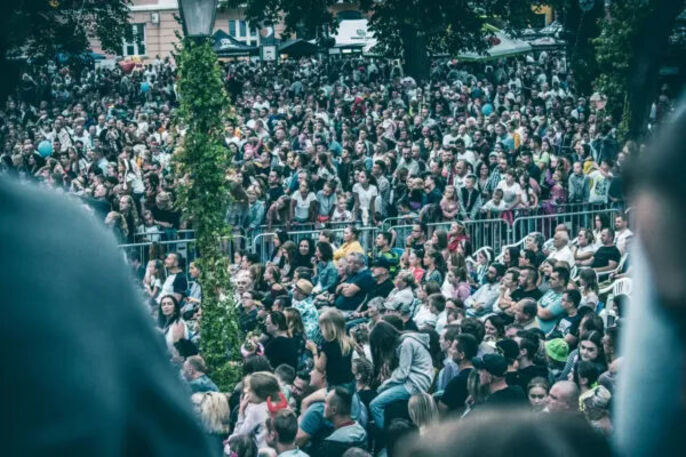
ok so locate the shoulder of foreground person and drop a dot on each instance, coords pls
(90, 374)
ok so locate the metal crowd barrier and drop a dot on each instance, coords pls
(263, 243)
(185, 247)
(546, 223)
(494, 232)
(397, 221)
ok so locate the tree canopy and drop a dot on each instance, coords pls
(41, 28)
(408, 28)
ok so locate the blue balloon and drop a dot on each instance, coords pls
(45, 148)
(487, 109)
(145, 86)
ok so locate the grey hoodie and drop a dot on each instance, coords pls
(415, 369)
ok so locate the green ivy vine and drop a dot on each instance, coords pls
(202, 161)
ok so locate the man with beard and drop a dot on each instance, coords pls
(481, 302)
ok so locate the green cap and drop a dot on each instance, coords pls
(557, 349)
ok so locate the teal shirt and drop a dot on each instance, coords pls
(551, 301)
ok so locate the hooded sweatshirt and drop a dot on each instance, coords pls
(415, 369)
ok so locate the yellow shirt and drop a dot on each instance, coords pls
(347, 248)
(588, 166)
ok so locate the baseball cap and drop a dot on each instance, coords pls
(557, 349)
(495, 364)
(508, 348)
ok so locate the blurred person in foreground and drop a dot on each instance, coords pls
(510, 432)
(651, 406)
(90, 374)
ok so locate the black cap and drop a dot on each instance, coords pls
(508, 348)
(495, 364)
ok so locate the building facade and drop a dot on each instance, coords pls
(155, 28)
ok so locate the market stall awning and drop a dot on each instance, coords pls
(502, 45)
(297, 48)
(546, 42)
(227, 46)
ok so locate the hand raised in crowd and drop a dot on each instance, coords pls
(178, 331)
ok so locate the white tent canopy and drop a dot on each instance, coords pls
(506, 46)
(354, 33)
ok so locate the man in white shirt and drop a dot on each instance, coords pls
(481, 302)
(622, 232)
(562, 252)
(584, 250)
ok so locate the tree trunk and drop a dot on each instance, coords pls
(650, 44)
(415, 54)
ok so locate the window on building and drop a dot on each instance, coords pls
(135, 47)
(239, 30)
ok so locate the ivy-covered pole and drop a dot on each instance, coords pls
(204, 196)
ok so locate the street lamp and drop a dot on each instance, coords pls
(197, 17)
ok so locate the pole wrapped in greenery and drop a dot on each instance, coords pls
(204, 196)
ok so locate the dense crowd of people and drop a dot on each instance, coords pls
(351, 346)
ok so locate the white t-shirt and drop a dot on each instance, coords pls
(583, 250)
(469, 156)
(365, 198)
(424, 317)
(564, 254)
(620, 240)
(509, 192)
(167, 287)
(302, 205)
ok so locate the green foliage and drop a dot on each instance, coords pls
(614, 48)
(44, 27)
(202, 160)
(449, 26)
(306, 16)
(41, 28)
(446, 26)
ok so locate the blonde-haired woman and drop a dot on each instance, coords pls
(423, 411)
(258, 388)
(214, 412)
(334, 357)
(117, 224)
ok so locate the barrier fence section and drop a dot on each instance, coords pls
(263, 243)
(545, 224)
(494, 232)
(186, 247)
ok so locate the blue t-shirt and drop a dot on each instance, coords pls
(314, 424)
(365, 282)
(551, 301)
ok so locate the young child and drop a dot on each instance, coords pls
(496, 204)
(341, 213)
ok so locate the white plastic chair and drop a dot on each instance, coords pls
(472, 259)
(622, 286)
(606, 274)
(499, 258)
